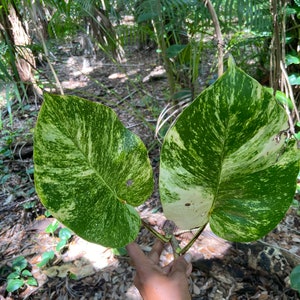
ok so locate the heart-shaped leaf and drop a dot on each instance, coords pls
(19, 264)
(90, 170)
(222, 163)
(14, 284)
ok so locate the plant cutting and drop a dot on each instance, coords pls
(20, 275)
(225, 161)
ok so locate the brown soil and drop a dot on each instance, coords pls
(221, 270)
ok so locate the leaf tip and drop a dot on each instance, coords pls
(231, 62)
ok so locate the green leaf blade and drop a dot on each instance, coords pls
(13, 275)
(19, 264)
(258, 202)
(221, 163)
(32, 281)
(51, 228)
(26, 273)
(46, 258)
(88, 168)
(65, 234)
(174, 50)
(294, 79)
(14, 284)
(295, 278)
(292, 58)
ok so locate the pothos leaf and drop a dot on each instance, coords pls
(90, 171)
(221, 162)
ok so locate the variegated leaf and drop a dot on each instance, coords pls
(90, 170)
(221, 162)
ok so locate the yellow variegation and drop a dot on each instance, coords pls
(90, 171)
(222, 162)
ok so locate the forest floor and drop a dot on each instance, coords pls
(221, 270)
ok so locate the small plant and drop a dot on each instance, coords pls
(51, 228)
(47, 214)
(6, 143)
(20, 276)
(295, 279)
(29, 205)
(64, 236)
(46, 258)
(9, 140)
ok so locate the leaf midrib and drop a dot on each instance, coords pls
(77, 146)
(221, 163)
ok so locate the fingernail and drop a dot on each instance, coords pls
(188, 257)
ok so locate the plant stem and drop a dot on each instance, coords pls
(192, 241)
(155, 233)
(169, 228)
(220, 40)
(170, 238)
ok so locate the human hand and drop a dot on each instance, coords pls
(160, 283)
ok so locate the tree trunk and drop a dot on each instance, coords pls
(40, 21)
(22, 60)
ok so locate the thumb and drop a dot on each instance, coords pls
(182, 265)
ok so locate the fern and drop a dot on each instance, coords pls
(253, 14)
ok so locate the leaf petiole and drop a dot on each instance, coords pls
(156, 233)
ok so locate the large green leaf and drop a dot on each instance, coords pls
(90, 170)
(221, 162)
